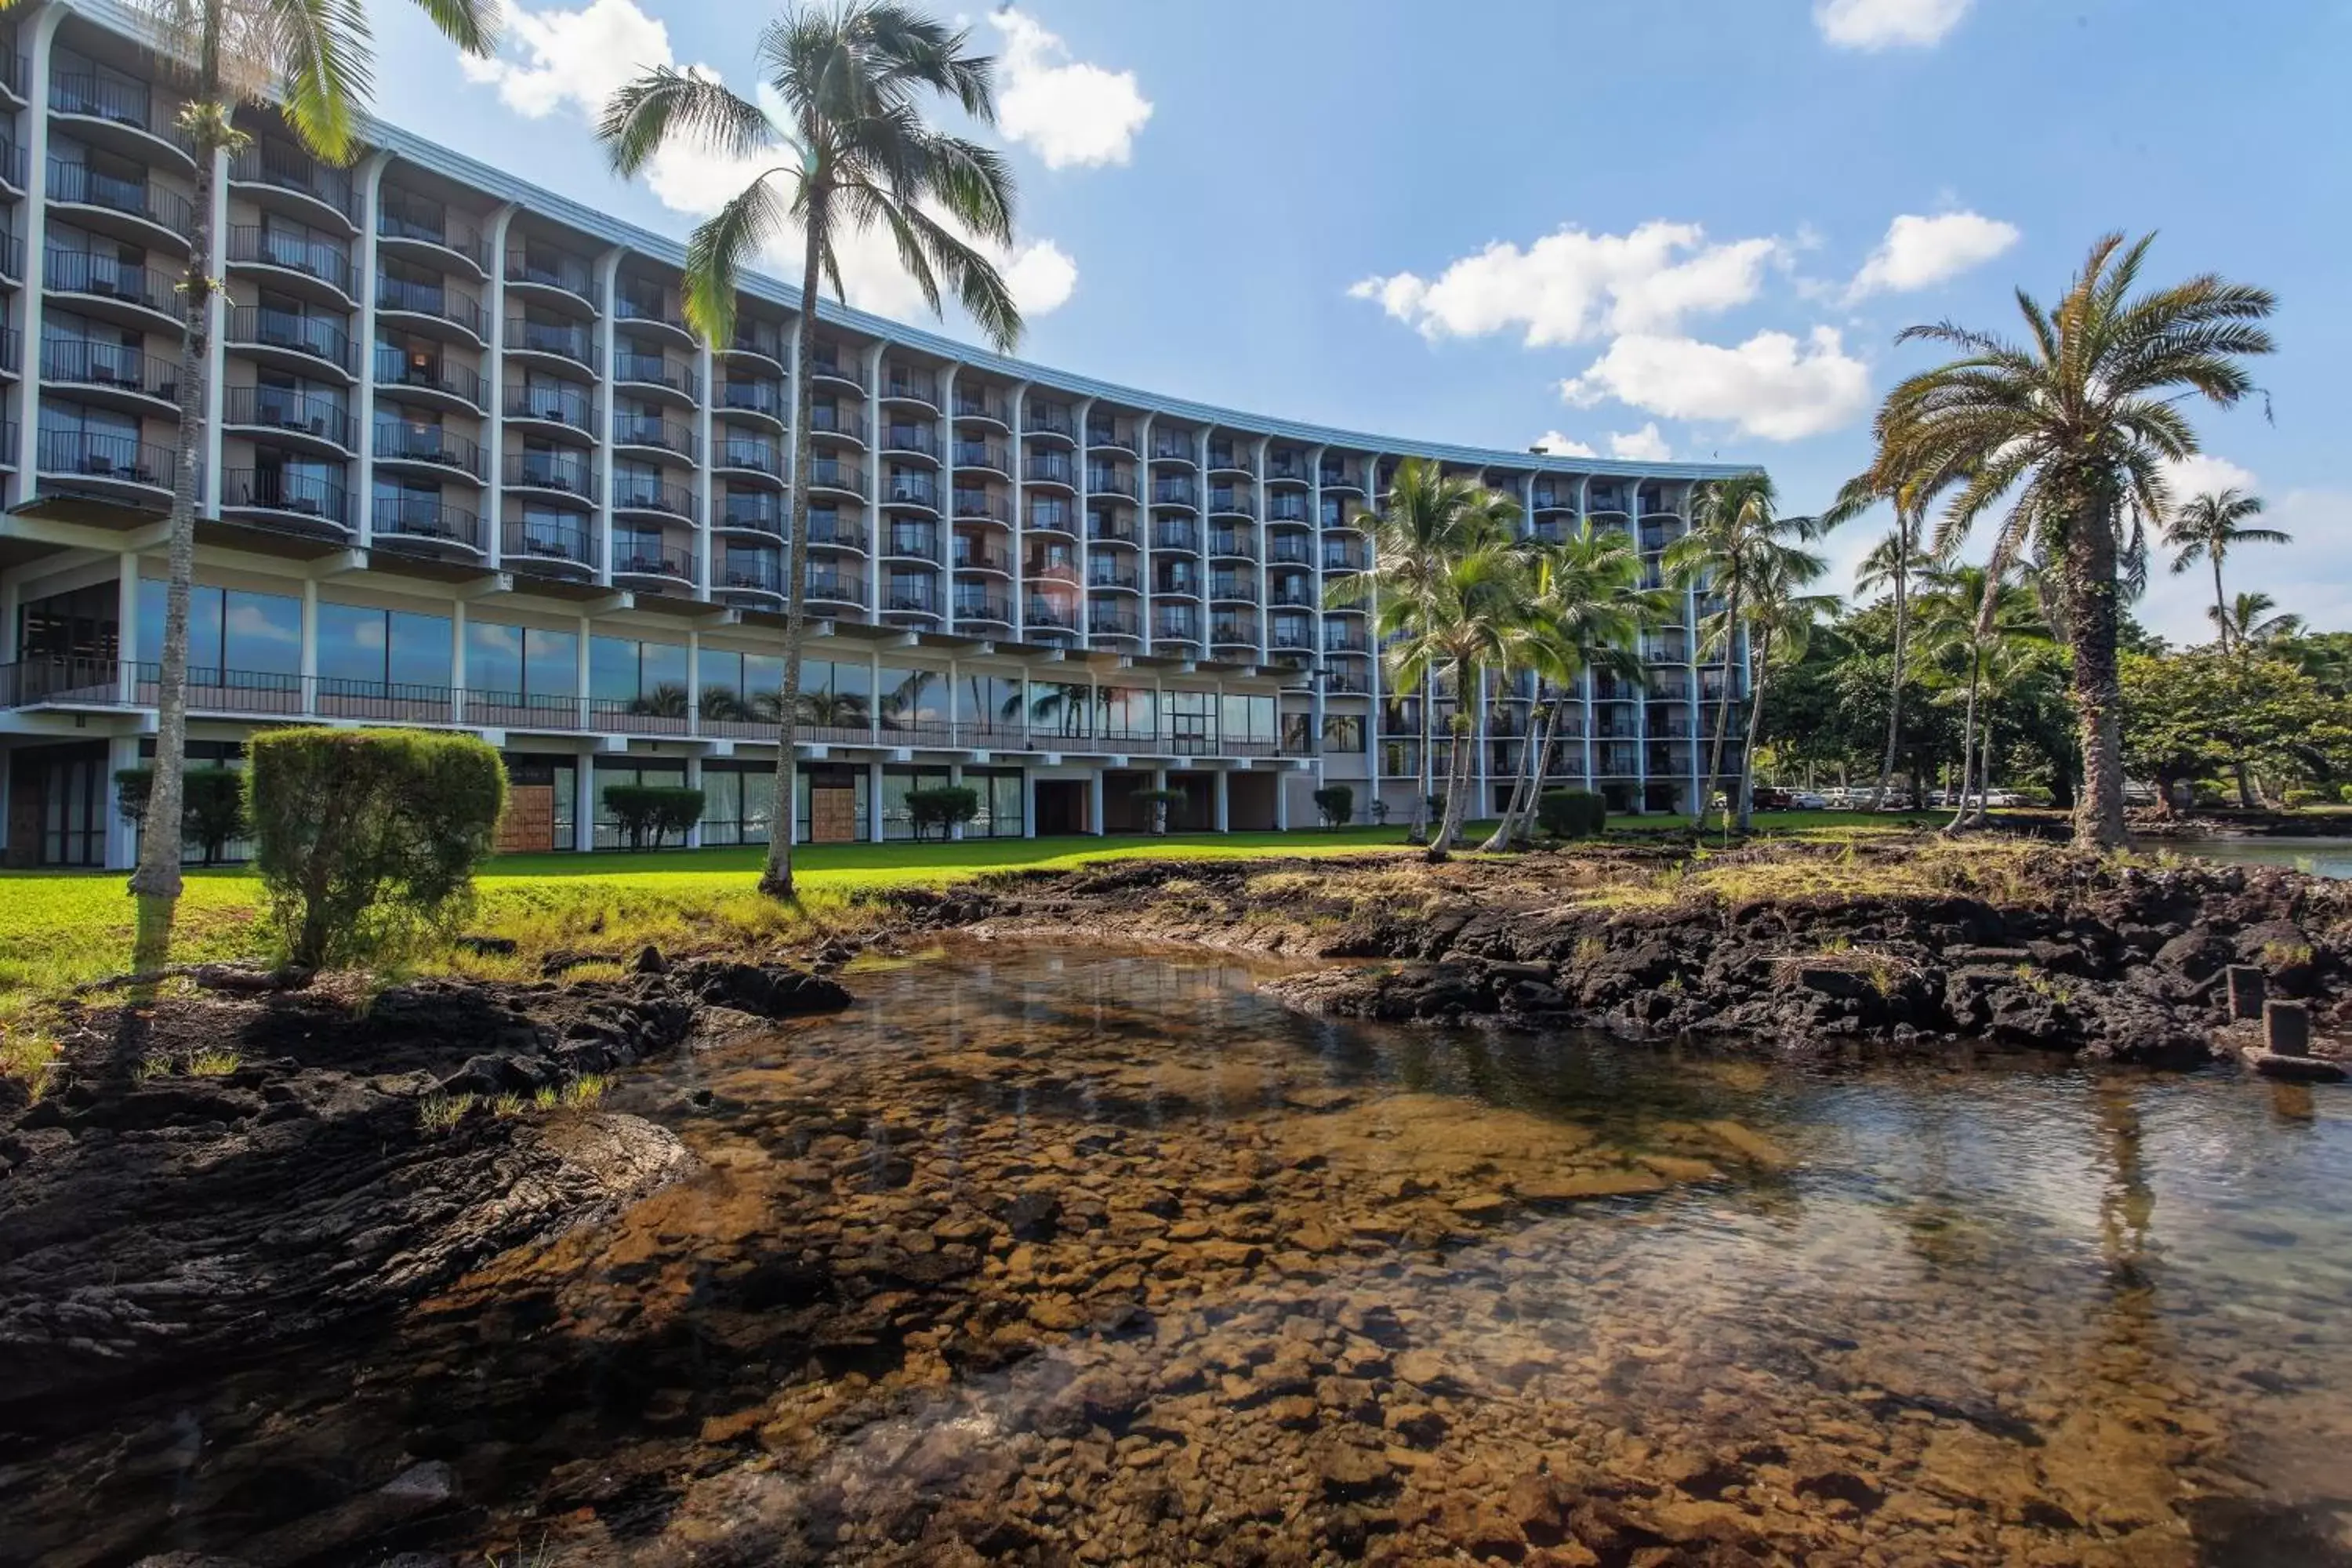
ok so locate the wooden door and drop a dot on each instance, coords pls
(529, 825)
(832, 814)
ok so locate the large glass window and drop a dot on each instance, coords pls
(537, 667)
(1343, 732)
(1000, 803)
(1127, 712)
(739, 802)
(1061, 710)
(1189, 721)
(671, 776)
(371, 648)
(835, 696)
(990, 700)
(898, 818)
(623, 670)
(911, 699)
(233, 636)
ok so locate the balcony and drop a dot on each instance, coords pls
(1341, 478)
(978, 555)
(1112, 621)
(303, 343)
(904, 542)
(980, 505)
(274, 495)
(1176, 585)
(1230, 589)
(283, 176)
(1166, 627)
(1288, 466)
(1053, 517)
(1291, 636)
(537, 540)
(567, 408)
(1230, 459)
(833, 474)
(1110, 481)
(1106, 528)
(315, 267)
(1050, 614)
(121, 117)
(1179, 536)
(900, 384)
(145, 212)
(1545, 498)
(550, 273)
(837, 588)
(748, 574)
(653, 433)
(409, 224)
(760, 339)
(635, 493)
(1175, 493)
(828, 531)
(827, 419)
(911, 490)
(1050, 419)
(659, 310)
(421, 521)
(828, 365)
(658, 372)
(1233, 544)
(90, 461)
(113, 374)
(747, 455)
(987, 405)
(916, 440)
(763, 398)
(1290, 549)
(1114, 435)
(566, 474)
(102, 286)
(433, 307)
(911, 596)
(555, 340)
(1344, 560)
(1113, 575)
(1344, 639)
(753, 514)
(984, 455)
(991, 609)
(428, 446)
(311, 422)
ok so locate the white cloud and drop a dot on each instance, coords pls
(1918, 252)
(1560, 446)
(1773, 386)
(1644, 444)
(1068, 112)
(2311, 577)
(1570, 286)
(1888, 23)
(576, 59)
(2203, 472)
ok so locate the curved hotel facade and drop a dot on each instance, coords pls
(467, 466)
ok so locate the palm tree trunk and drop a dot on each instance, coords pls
(776, 880)
(1457, 772)
(1754, 723)
(1418, 833)
(1967, 737)
(1722, 710)
(1895, 685)
(1522, 779)
(155, 882)
(2221, 606)
(2092, 623)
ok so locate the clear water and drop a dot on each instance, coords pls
(1044, 1256)
(2316, 856)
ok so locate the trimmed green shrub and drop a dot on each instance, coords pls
(367, 840)
(212, 805)
(1337, 804)
(1571, 813)
(2344, 793)
(654, 811)
(941, 807)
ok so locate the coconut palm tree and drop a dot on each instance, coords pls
(1991, 628)
(314, 61)
(1737, 549)
(850, 153)
(2248, 621)
(1467, 618)
(1586, 610)
(1892, 564)
(2207, 528)
(1779, 620)
(2072, 428)
(1427, 521)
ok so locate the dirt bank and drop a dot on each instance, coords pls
(216, 1174)
(1792, 948)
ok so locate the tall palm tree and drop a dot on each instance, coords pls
(1780, 620)
(1427, 521)
(851, 153)
(2247, 621)
(1586, 610)
(315, 60)
(2207, 528)
(1472, 607)
(1736, 550)
(1892, 564)
(2073, 426)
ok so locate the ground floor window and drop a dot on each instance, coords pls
(897, 784)
(739, 802)
(661, 774)
(228, 754)
(541, 793)
(1000, 803)
(57, 805)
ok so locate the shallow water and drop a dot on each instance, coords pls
(2329, 857)
(1046, 1256)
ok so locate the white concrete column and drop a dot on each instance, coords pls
(1017, 409)
(494, 505)
(371, 183)
(121, 838)
(35, 40)
(1095, 824)
(873, 461)
(955, 781)
(584, 803)
(217, 355)
(1282, 802)
(457, 661)
(608, 341)
(796, 548)
(580, 698)
(693, 681)
(874, 801)
(1085, 597)
(1221, 796)
(705, 487)
(308, 655)
(1143, 519)
(127, 651)
(1028, 803)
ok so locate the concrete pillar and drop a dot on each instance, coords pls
(309, 654)
(1220, 796)
(1159, 782)
(584, 804)
(874, 801)
(2248, 985)
(209, 447)
(370, 185)
(2287, 1028)
(1282, 802)
(955, 781)
(1028, 804)
(494, 417)
(127, 651)
(457, 661)
(121, 838)
(1095, 805)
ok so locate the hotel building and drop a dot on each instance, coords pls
(466, 465)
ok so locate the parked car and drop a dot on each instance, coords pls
(1838, 797)
(2002, 799)
(2138, 793)
(1808, 800)
(1765, 797)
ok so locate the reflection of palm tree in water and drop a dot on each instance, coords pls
(901, 707)
(1053, 707)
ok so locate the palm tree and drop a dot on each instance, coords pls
(2248, 621)
(2207, 528)
(1993, 627)
(852, 153)
(1779, 621)
(1586, 609)
(1467, 618)
(2075, 423)
(1891, 564)
(1428, 519)
(1738, 550)
(314, 61)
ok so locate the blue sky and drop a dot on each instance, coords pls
(1683, 226)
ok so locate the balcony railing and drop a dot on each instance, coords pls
(1106, 528)
(567, 405)
(831, 531)
(420, 517)
(330, 264)
(83, 363)
(1175, 447)
(1053, 516)
(401, 214)
(656, 370)
(983, 455)
(275, 408)
(994, 609)
(981, 504)
(437, 300)
(910, 490)
(758, 573)
(1174, 492)
(118, 102)
(653, 430)
(662, 309)
(836, 587)
(833, 368)
(1049, 419)
(402, 442)
(916, 598)
(547, 541)
(904, 437)
(1112, 481)
(550, 270)
(568, 472)
(1104, 621)
(75, 272)
(291, 169)
(760, 514)
(634, 493)
(831, 473)
(980, 406)
(79, 183)
(1105, 575)
(91, 453)
(1234, 544)
(760, 457)
(643, 558)
(315, 337)
(754, 397)
(561, 339)
(913, 386)
(1182, 536)
(972, 554)
(911, 543)
(274, 489)
(1117, 436)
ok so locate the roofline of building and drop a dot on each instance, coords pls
(119, 18)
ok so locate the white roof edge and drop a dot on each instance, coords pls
(116, 17)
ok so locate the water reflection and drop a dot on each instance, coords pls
(1047, 1256)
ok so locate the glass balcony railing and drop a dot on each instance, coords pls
(554, 404)
(253, 246)
(562, 338)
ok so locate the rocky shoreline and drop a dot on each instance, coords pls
(2057, 951)
(225, 1173)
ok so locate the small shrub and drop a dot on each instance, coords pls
(30, 1057)
(944, 807)
(1158, 801)
(1589, 950)
(214, 1064)
(2286, 954)
(367, 840)
(1571, 813)
(507, 1106)
(1337, 804)
(2297, 799)
(212, 805)
(545, 1098)
(583, 1093)
(653, 811)
(440, 1112)
(2344, 793)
